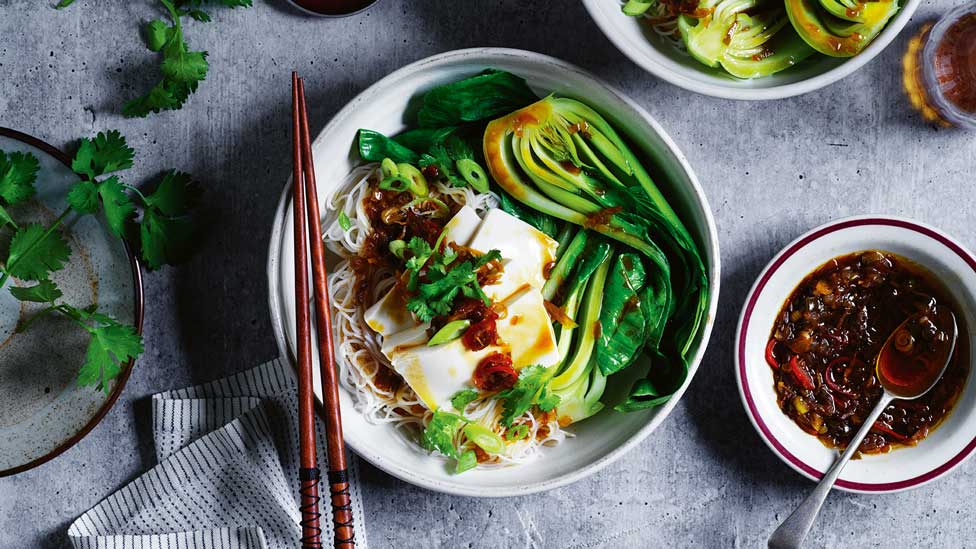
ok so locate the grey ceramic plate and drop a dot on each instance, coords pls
(43, 411)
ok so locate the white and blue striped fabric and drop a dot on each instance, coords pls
(227, 476)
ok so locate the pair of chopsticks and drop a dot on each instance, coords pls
(306, 210)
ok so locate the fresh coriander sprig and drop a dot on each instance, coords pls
(182, 69)
(445, 279)
(160, 220)
(112, 343)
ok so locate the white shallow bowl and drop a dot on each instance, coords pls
(601, 439)
(948, 445)
(659, 57)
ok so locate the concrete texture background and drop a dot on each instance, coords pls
(771, 170)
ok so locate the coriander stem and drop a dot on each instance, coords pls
(47, 233)
(30, 321)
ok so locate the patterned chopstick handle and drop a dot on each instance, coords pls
(341, 509)
(309, 493)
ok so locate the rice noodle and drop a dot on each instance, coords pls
(359, 356)
(664, 24)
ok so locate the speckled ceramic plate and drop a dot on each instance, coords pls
(43, 411)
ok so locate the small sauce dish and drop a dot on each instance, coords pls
(948, 445)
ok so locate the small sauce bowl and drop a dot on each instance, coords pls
(945, 447)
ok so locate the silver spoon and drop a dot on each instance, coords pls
(909, 364)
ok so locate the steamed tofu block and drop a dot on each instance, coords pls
(406, 338)
(437, 373)
(526, 252)
(389, 315)
(462, 226)
(527, 330)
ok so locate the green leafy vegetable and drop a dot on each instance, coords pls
(456, 165)
(487, 95)
(63, 4)
(665, 377)
(622, 318)
(116, 204)
(374, 147)
(440, 432)
(530, 389)
(422, 139)
(539, 220)
(461, 399)
(157, 34)
(43, 292)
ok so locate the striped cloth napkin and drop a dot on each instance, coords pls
(227, 476)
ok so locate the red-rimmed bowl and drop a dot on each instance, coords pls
(948, 445)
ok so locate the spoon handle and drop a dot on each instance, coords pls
(791, 532)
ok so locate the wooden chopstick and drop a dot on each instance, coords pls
(336, 448)
(308, 473)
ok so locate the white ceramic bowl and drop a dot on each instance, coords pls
(601, 439)
(659, 57)
(948, 445)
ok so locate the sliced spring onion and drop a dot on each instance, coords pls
(451, 331)
(485, 438)
(473, 173)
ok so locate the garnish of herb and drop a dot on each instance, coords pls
(532, 388)
(444, 278)
(160, 218)
(182, 69)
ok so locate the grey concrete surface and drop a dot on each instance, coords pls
(771, 171)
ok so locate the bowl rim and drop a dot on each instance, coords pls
(139, 314)
(659, 69)
(741, 334)
(478, 58)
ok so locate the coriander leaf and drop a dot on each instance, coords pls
(63, 4)
(532, 383)
(466, 461)
(163, 239)
(83, 197)
(166, 230)
(165, 95)
(462, 398)
(175, 194)
(18, 171)
(440, 432)
(106, 153)
(36, 251)
(157, 33)
(111, 345)
(117, 205)
(5, 218)
(182, 65)
(547, 401)
(43, 292)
